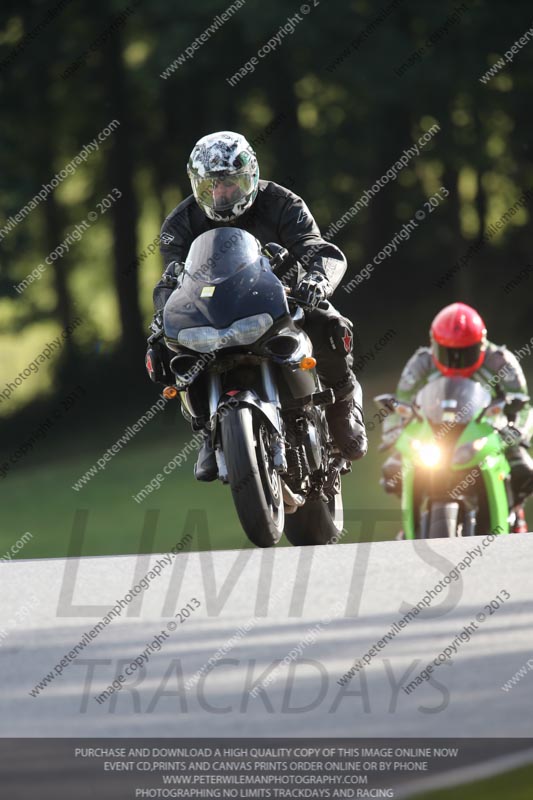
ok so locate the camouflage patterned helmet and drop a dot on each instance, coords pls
(224, 175)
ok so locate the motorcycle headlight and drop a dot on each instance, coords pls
(429, 454)
(466, 452)
(243, 331)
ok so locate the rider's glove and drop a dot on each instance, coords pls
(156, 325)
(313, 289)
(157, 359)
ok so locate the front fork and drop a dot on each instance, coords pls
(408, 505)
(271, 394)
(269, 404)
(495, 488)
(214, 391)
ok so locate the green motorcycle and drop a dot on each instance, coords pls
(455, 476)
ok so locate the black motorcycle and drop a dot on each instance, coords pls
(245, 372)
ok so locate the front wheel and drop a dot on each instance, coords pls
(316, 522)
(255, 484)
(443, 521)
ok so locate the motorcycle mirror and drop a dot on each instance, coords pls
(494, 408)
(276, 254)
(388, 401)
(405, 410)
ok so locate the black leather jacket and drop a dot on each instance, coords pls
(277, 215)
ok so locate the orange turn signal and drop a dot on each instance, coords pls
(308, 363)
(170, 392)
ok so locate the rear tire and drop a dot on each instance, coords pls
(255, 485)
(443, 521)
(316, 522)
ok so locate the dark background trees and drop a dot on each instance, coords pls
(68, 69)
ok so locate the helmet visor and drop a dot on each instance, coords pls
(457, 357)
(224, 192)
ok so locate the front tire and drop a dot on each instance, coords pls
(255, 485)
(443, 521)
(316, 522)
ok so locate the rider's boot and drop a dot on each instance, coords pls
(347, 427)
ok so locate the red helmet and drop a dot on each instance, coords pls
(458, 340)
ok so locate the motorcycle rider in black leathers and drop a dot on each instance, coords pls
(224, 175)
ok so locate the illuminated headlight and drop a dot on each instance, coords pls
(243, 331)
(466, 452)
(429, 454)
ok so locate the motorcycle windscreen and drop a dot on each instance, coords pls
(217, 255)
(452, 400)
(226, 278)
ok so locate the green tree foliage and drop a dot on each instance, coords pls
(331, 109)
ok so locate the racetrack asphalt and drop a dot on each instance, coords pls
(327, 605)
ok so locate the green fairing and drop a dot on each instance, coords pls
(490, 459)
(494, 467)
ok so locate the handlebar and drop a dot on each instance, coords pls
(296, 300)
